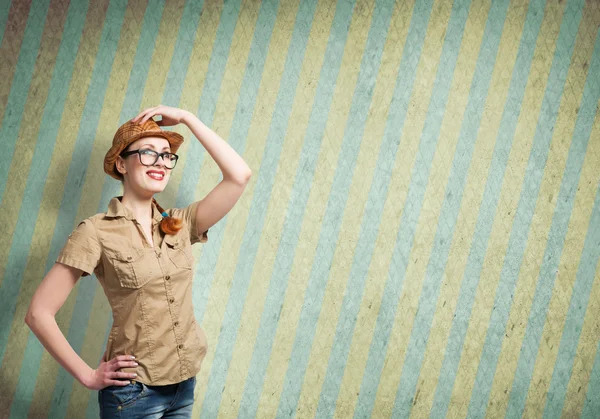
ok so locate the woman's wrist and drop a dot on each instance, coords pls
(188, 118)
(86, 377)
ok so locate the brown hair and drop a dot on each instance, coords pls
(168, 225)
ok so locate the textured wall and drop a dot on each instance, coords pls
(420, 237)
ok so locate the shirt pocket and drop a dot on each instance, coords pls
(131, 266)
(179, 251)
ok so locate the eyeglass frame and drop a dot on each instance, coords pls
(158, 155)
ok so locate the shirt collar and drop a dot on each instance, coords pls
(117, 209)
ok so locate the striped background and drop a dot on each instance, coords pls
(419, 239)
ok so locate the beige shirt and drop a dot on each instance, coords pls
(149, 289)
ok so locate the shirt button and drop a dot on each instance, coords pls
(167, 277)
(128, 257)
(176, 323)
(171, 300)
(180, 346)
(159, 254)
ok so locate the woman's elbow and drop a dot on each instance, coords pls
(246, 176)
(34, 314)
(30, 316)
(242, 177)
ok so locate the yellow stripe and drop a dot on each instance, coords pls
(67, 135)
(30, 125)
(349, 229)
(90, 197)
(9, 51)
(192, 88)
(190, 95)
(159, 66)
(536, 246)
(256, 142)
(474, 186)
(209, 177)
(409, 144)
(374, 131)
(590, 331)
(507, 205)
(28, 135)
(91, 351)
(162, 55)
(111, 109)
(323, 178)
(282, 187)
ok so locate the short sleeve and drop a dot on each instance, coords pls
(188, 215)
(82, 249)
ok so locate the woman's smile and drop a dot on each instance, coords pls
(156, 174)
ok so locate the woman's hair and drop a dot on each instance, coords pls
(168, 225)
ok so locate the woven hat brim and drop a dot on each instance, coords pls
(175, 140)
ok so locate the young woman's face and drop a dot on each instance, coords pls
(153, 178)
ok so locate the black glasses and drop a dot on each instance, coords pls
(150, 157)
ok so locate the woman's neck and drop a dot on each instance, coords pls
(140, 208)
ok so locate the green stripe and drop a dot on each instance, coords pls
(587, 265)
(9, 130)
(452, 201)
(487, 210)
(525, 209)
(81, 154)
(112, 187)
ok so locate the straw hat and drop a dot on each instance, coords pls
(130, 132)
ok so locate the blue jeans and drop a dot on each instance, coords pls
(138, 400)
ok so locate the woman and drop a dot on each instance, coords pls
(142, 257)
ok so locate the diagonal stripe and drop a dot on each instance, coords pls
(36, 178)
(264, 184)
(526, 206)
(4, 7)
(28, 132)
(287, 141)
(451, 205)
(131, 104)
(242, 119)
(171, 95)
(18, 95)
(353, 134)
(93, 409)
(182, 52)
(581, 370)
(206, 110)
(376, 163)
(487, 211)
(592, 401)
(111, 188)
(195, 151)
(250, 241)
(585, 272)
(545, 206)
(79, 163)
(10, 46)
(308, 159)
(87, 289)
(393, 131)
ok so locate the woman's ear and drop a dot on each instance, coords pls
(120, 165)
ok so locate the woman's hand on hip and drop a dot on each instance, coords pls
(170, 115)
(108, 374)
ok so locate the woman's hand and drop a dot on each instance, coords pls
(170, 115)
(107, 373)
